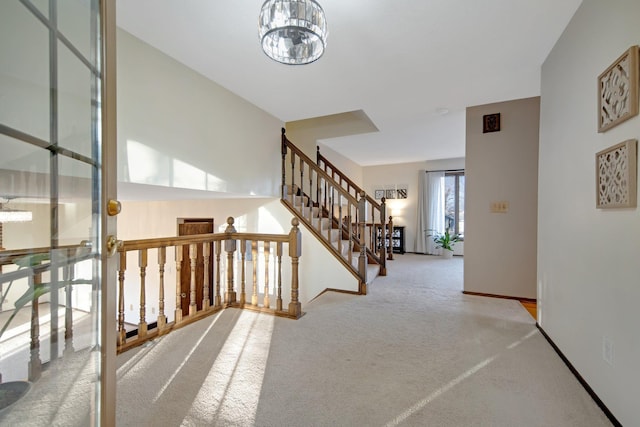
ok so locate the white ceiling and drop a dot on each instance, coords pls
(398, 61)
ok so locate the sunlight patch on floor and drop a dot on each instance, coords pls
(231, 390)
(424, 402)
(186, 359)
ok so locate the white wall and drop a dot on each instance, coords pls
(588, 269)
(500, 248)
(404, 211)
(178, 129)
(346, 166)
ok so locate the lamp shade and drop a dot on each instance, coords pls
(292, 32)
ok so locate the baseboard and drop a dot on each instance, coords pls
(480, 294)
(582, 381)
(340, 291)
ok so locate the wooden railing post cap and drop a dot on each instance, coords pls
(230, 244)
(230, 228)
(283, 131)
(295, 222)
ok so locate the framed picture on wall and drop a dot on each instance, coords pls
(378, 194)
(618, 91)
(616, 179)
(491, 123)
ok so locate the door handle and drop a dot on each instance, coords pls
(113, 245)
(113, 207)
(183, 295)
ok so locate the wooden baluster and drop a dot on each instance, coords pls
(390, 255)
(122, 266)
(340, 223)
(283, 148)
(293, 178)
(68, 276)
(350, 231)
(142, 263)
(383, 233)
(330, 210)
(218, 299)
(193, 258)
(254, 260)
(318, 192)
(324, 194)
(279, 296)
(243, 250)
(302, 204)
(295, 252)
(310, 193)
(206, 254)
(178, 312)
(35, 363)
(267, 251)
(230, 248)
(162, 259)
(54, 303)
(362, 260)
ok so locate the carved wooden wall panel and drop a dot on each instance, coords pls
(618, 91)
(616, 176)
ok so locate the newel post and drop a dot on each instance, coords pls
(362, 259)
(230, 248)
(295, 252)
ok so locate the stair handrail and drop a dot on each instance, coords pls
(325, 163)
(343, 177)
(353, 231)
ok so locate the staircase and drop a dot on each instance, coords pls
(340, 214)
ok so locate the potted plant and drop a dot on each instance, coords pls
(446, 241)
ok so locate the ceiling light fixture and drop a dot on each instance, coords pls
(13, 215)
(292, 32)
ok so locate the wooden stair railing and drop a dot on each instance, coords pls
(345, 223)
(29, 275)
(253, 290)
(353, 188)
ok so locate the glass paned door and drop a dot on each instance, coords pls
(51, 212)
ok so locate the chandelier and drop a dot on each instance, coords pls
(292, 31)
(13, 215)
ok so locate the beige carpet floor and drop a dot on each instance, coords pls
(414, 352)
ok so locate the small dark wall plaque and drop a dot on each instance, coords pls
(491, 123)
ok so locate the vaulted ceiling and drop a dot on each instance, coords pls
(409, 67)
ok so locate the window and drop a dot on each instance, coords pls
(454, 202)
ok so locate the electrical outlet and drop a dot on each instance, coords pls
(607, 350)
(130, 307)
(153, 310)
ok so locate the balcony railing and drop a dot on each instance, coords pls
(253, 271)
(230, 269)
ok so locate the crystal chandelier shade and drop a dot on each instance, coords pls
(292, 31)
